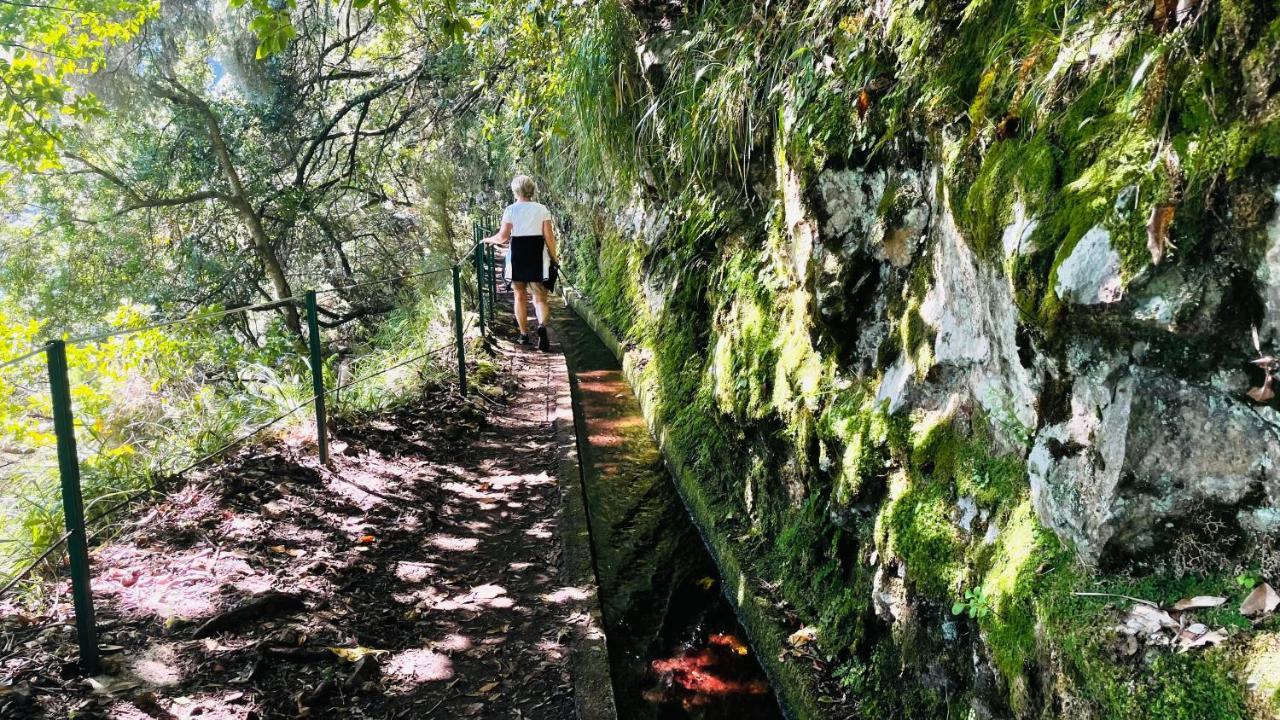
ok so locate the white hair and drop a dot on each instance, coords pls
(524, 187)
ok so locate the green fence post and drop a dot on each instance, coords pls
(317, 377)
(457, 328)
(478, 256)
(493, 283)
(72, 504)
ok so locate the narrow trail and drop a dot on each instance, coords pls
(417, 578)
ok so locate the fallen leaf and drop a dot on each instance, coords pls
(1261, 601)
(1146, 620)
(706, 583)
(1264, 393)
(1198, 636)
(486, 688)
(355, 653)
(366, 538)
(803, 636)
(1158, 231)
(1199, 601)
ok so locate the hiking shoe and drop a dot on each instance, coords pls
(544, 343)
(524, 338)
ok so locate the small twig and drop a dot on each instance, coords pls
(1114, 595)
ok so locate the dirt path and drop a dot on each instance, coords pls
(417, 579)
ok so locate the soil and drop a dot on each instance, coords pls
(416, 578)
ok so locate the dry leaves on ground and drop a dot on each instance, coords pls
(1198, 602)
(1261, 601)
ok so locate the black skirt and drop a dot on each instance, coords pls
(529, 260)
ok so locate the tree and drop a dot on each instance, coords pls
(249, 174)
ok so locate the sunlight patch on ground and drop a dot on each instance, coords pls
(414, 572)
(452, 642)
(470, 492)
(159, 666)
(419, 665)
(540, 531)
(427, 597)
(564, 595)
(453, 543)
(226, 705)
(178, 584)
(552, 650)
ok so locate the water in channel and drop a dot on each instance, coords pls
(676, 648)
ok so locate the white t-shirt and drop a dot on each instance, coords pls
(526, 217)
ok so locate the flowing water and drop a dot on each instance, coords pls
(676, 648)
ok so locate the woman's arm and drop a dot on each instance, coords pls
(549, 234)
(501, 237)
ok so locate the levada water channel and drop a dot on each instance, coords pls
(676, 648)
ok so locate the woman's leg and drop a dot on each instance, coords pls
(544, 315)
(540, 305)
(522, 309)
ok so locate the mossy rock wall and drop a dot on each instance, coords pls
(949, 309)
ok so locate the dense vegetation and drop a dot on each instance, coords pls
(163, 161)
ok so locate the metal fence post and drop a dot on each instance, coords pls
(457, 328)
(493, 283)
(72, 504)
(317, 377)
(478, 256)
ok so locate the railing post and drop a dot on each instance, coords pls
(317, 377)
(493, 283)
(478, 256)
(457, 328)
(72, 504)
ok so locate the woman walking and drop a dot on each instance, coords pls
(528, 227)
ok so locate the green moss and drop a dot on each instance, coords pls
(789, 462)
(1025, 170)
(921, 533)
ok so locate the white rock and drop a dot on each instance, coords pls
(893, 385)
(1091, 273)
(1269, 276)
(971, 310)
(1017, 235)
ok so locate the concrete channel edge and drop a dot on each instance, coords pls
(589, 657)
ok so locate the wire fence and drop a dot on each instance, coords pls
(479, 259)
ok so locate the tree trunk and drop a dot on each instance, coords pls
(238, 198)
(261, 242)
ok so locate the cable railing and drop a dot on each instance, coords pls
(479, 257)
